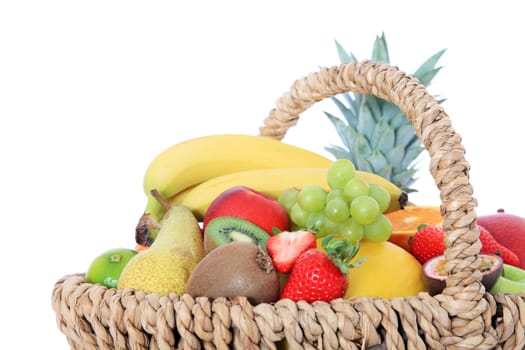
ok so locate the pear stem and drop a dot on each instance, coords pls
(160, 199)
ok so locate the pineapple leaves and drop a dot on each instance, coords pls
(383, 137)
(405, 135)
(394, 115)
(338, 152)
(348, 112)
(399, 119)
(377, 161)
(363, 164)
(345, 132)
(380, 50)
(396, 154)
(385, 172)
(365, 122)
(427, 71)
(361, 145)
(376, 135)
(390, 110)
(344, 56)
(411, 155)
(375, 104)
(405, 179)
(426, 78)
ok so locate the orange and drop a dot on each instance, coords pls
(406, 221)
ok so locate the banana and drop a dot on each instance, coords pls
(272, 182)
(199, 159)
(398, 198)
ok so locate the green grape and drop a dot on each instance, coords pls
(364, 209)
(380, 195)
(315, 222)
(312, 198)
(336, 193)
(379, 230)
(298, 215)
(351, 231)
(339, 172)
(337, 210)
(329, 227)
(356, 187)
(288, 198)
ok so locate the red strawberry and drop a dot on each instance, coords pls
(319, 275)
(427, 243)
(314, 277)
(490, 246)
(284, 248)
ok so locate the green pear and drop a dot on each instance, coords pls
(166, 265)
(512, 280)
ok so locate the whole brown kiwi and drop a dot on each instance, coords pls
(235, 269)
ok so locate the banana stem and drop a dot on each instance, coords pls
(160, 199)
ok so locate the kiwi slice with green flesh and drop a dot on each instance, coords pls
(225, 229)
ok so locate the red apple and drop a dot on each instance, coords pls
(248, 204)
(508, 230)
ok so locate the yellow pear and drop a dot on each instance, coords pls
(166, 265)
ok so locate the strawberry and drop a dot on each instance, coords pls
(489, 245)
(284, 248)
(427, 243)
(321, 275)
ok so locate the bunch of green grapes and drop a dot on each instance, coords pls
(352, 208)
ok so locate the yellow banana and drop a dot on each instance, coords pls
(398, 198)
(199, 159)
(272, 182)
(178, 198)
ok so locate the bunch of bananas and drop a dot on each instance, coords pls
(196, 171)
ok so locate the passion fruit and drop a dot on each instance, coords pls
(434, 274)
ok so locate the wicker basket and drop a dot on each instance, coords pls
(464, 316)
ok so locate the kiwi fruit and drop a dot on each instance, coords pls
(235, 269)
(225, 229)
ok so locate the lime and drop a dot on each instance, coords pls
(106, 268)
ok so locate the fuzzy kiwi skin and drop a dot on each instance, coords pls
(235, 269)
(209, 244)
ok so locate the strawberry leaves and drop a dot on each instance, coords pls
(341, 252)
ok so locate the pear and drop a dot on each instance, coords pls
(166, 265)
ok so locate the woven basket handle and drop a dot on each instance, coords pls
(431, 124)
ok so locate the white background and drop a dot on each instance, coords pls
(91, 91)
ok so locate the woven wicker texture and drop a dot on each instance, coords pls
(464, 316)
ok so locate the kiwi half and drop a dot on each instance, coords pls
(226, 229)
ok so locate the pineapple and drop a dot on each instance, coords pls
(376, 135)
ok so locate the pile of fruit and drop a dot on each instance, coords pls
(239, 215)
(289, 224)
